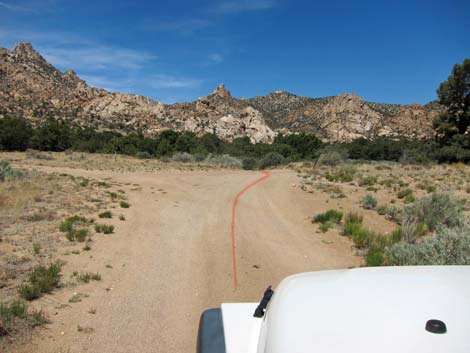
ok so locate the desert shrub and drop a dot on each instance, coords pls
(330, 215)
(434, 210)
(86, 277)
(124, 204)
(71, 227)
(223, 160)
(68, 223)
(350, 228)
(404, 192)
(382, 210)
(182, 157)
(272, 159)
(328, 219)
(34, 154)
(15, 134)
(369, 202)
(143, 155)
(41, 280)
(52, 135)
(104, 228)
(343, 174)
(395, 214)
(409, 198)
(368, 181)
(79, 234)
(448, 246)
(375, 257)
(16, 313)
(330, 158)
(9, 173)
(106, 214)
(36, 248)
(249, 163)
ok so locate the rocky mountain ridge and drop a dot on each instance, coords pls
(33, 88)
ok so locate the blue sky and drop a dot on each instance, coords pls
(386, 51)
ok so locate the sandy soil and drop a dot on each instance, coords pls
(171, 259)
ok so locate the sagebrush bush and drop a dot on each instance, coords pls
(271, 159)
(344, 174)
(448, 246)
(143, 155)
(395, 214)
(223, 160)
(382, 209)
(330, 158)
(434, 210)
(369, 202)
(410, 198)
(182, 157)
(368, 181)
(404, 192)
(249, 163)
(9, 173)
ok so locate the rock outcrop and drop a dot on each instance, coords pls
(33, 88)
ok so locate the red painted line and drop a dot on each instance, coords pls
(234, 207)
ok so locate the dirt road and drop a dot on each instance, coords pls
(171, 259)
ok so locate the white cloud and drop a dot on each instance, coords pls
(16, 8)
(216, 58)
(237, 6)
(168, 81)
(96, 57)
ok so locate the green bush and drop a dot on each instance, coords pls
(410, 198)
(448, 246)
(328, 216)
(369, 202)
(330, 158)
(143, 155)
(368, 181)
(435, 210)
(41, 280)
(16, 314)
(249, 163)
(351, 227)
(88, 276)
(344, 174)
(182, 157)
(375, 257)
(272, 159)
(223, 160)
(15, 134)
(124, 204)
(104, 228)
(382, 210)
(106, 214)
(395, 214)
(404, 192)
(9, 173)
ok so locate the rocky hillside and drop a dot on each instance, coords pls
(31, 87)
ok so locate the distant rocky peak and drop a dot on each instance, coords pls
(220, 91)
(26, 51)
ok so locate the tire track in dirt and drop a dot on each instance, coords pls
(265, 176)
